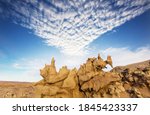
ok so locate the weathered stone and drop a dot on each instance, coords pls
(87, 76)
(47, 90)
(71, 82)
(109, 61)
(91, 81)
(100, 81)
(62, 74)
(49, 72)
(99, 64)
(89, 66)
(115, 89)
(77, 93)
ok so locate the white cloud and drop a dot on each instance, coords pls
(125, 56)
(73, 25)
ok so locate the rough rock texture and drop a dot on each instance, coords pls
(58, 84)
(135, 78)
(89, 81)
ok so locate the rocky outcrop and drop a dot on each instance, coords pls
(88, 81)
(135, 78)
(58, 84)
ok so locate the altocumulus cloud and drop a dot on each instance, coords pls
(71, 25)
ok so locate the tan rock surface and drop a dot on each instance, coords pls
(71, 81)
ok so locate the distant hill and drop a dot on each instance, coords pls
(140, 65)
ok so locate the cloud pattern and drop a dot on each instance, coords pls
(71, 25)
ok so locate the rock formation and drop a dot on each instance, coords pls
(58, 84)
(135, 78)
(88, 81)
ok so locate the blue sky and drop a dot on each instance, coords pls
(32, 32)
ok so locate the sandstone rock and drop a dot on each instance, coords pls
(87, 76)
(62, 74)
(77, 93)
(89, 66)
(109, 61)
(49, 72)
(99, 81)
(47, 90)
(91, 81)
(99, 64)
(81, 70)
(115, 89)
(71, 81)
(41, 82)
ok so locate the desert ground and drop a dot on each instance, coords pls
(12, 89)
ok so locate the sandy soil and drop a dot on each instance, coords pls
(16, 89)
